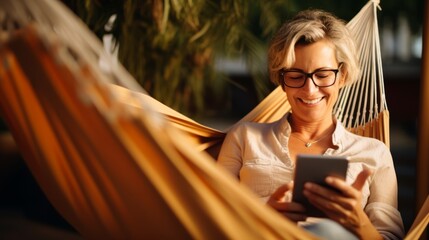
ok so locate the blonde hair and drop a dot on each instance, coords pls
(307, 27)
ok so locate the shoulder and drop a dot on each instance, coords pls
(246, 128)
(245, 133)
(348, 140)
(363, 149)
(365, 141)
(368, 143)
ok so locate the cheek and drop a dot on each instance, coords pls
(288, 93)
(333, 94)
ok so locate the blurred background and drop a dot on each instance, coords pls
(207, 60)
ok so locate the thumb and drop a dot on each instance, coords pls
(361, 178)
(280, 191)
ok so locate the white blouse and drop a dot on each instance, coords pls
(258, 155)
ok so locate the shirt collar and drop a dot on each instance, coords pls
(284, 129)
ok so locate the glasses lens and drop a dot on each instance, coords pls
(294, 79)
(324, 78)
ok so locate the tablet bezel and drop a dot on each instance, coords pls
(315, 168)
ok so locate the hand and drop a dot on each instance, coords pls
(344, 206)
(292, 210)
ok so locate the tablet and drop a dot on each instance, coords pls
(315, 168)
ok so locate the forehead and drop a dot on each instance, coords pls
(315, 55)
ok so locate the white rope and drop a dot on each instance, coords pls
(362, 102)
(54, 18)
(357, 104)
(56, 21)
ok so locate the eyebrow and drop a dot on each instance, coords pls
(300, 70)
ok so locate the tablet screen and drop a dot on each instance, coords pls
(315, 168)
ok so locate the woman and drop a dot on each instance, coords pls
(312, 56)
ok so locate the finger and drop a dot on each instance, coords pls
(323, 191)
(296, 217)
(335, 207)
(353, 190)
(289, 206)
(331, 203)
(280, 192)
(361, 178)
(333, 199)
(341, 186)
(332, 210)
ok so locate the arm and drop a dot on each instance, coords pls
(230, 153)
(379, 194)
(382, 206)
(344, 207)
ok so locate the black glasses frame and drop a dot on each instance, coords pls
(309, 75)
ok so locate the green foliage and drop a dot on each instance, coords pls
(169, 46)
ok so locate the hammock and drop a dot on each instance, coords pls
(115, 162)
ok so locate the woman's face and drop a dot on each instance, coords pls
(311, 103)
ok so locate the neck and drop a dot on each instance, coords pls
(311, 130)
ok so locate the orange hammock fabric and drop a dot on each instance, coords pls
(107, 168)
(118, 164)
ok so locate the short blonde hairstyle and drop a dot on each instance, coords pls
(307, 27)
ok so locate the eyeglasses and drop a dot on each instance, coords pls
(320, 78)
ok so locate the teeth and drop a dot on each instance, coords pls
(314, 101)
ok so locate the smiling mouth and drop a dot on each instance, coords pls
(312, 101)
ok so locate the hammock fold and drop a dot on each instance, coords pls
(146, 181)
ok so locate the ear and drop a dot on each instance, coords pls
(343, 77)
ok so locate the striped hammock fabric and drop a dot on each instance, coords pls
(105, 166)
(115, 162)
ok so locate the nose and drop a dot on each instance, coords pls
(309, 85)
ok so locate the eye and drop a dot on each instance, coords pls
(294, 75)
(323, 74)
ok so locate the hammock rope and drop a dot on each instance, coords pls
(362, 107)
